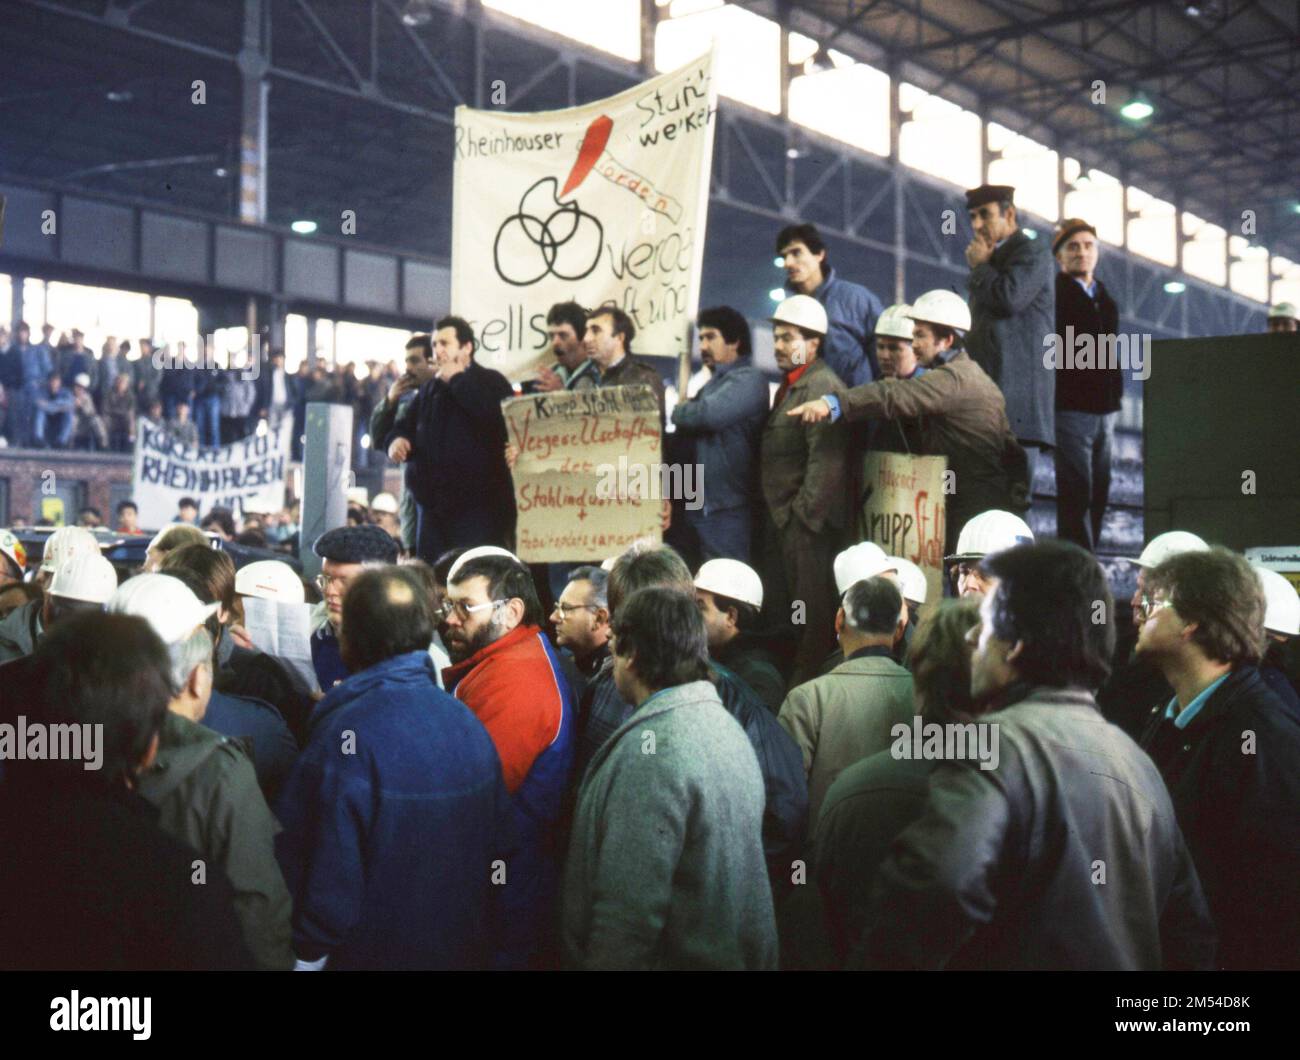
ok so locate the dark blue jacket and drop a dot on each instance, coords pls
(394, 814)
(263, 732)
(725, 420)
(852, 311)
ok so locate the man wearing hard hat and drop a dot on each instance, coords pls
(965, 417)
(83, 582)
(13, 558)
(1281, 624)
(1283, 317)
(804, 475)
(898, 360)
(986, 535)
(730, 597)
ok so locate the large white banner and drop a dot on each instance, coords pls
(222, 476)
(595, 204)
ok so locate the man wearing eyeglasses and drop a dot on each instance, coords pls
(505, 670)
(345, 552)
(581, 621)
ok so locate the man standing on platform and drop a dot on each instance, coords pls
(566, 326)
(455, 435)
(608, 340)
(1013, 308)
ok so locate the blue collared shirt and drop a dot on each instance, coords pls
(1183, 718)
(1091, 288)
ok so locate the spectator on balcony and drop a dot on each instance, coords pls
(88, 430)
(181, 427)
(238, 396)
(119, 414)
(55, 415)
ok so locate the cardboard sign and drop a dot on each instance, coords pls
(588, 480)
(605, 202)
(904, 512)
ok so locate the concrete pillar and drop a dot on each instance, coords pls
(327, 474)
(253, 63)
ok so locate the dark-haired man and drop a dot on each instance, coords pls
(1228, 749)
(506, 672)
(724, 422)
(852, 309)
(455, 437)
(1102, 878)
(665, 865)
(394, 408)
(70, 833)
(395, 811)
(566, 327)
(608, 341)
(581, 620)
(345, 552)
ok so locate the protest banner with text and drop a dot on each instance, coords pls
(904, 512)
(220, 476)
(593, 204)
(585, 479)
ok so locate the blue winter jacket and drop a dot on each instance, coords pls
(852, 310)
(726, 419)
(393, 817)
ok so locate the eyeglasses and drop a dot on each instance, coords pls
(1147, 607)
(462, 610)
(324, 581)
(564, 609)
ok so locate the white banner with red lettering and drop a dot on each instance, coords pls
(594, 204)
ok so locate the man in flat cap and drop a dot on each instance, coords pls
(1013, 307)
(1088, 392)
(345, 552)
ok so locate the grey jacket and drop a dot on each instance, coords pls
(1066, 855)
(20, 631)
(843, 716)
(1012, 308)
(725, 421)
(666, 864)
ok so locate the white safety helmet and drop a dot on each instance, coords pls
(1172, 543)
(858, 563)
(733, 579)
(911, 578)
(803, 311)
(359, 496)
(990, 532)
(384, 502)
(65, 543)
(1283, 311)
(895, 323)
(85, 576)
(942, 307)
(270, 579)
(1281, 602)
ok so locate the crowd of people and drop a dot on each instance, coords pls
(58, 394)
(761, 744)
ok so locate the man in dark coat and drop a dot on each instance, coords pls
(395, 814)
(455, 435)
(1088, 392)
(1229, 751)
(1013, 308)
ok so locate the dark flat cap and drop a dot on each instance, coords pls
(1069, 227)
(356, 544)
(989, 193)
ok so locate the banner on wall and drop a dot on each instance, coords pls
(222, 476)
(588, 478)
(593, 204)
(904, 512)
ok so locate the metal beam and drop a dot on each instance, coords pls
(1016, 29)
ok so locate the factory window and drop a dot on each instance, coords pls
(98, 311)
(1028, 166)
(1248, 273)
(1204, 253)
(358, 343)
(1286, 281)
(748, 52)
(817, 98)
(175, 320)
(6, 300)
(1153, 230)
(35, 306)
(938, 137)
(612, 26)
(1098, 198)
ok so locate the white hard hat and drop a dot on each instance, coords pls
(1283, 311)
(942, 307)
(477, 552)
(895, 323)
(803, 311)
(384, 502)
(13, 548)
(358, 495)
(859, 562)
(1281, 602)
(911, 578)
(65, 543)
(990, 532)
(82, 379)
(270, 579)
(166, 603)
(86, 576)
(1172, 543)
(608, 564)
(730, 577)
